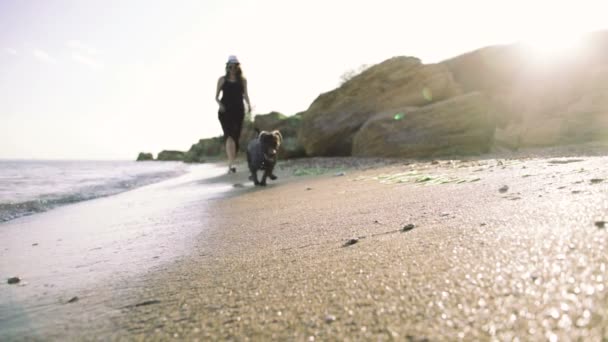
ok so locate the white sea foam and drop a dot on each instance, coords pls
(29, 187)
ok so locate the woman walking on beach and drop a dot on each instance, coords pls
(232, 111)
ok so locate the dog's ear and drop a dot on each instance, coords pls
(277, 134)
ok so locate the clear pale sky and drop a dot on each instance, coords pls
(106, 79)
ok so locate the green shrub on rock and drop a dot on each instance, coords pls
(171, 156)
(145, 156)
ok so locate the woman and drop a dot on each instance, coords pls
(232, 111)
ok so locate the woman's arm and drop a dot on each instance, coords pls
(246, 95)
(220, 84)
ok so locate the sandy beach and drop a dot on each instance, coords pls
(500, 247)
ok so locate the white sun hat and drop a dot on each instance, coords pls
(232, 60)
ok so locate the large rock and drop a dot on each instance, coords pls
(168, 155)
(332, 120)
(561, 99)
(462, 125)
(204, 148)
(288, 126)
(145, 156)
(573, 110)
(268, 121)
(491, 69)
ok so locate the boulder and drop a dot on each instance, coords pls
(546, 102)
(168, 155)
(145, 156)
(332, 120)
(268, 121)
(462, 125)
(508, 138)
(491, 69)
(204, 148)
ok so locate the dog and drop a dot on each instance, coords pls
(262, 155)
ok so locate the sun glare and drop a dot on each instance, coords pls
(553, 46)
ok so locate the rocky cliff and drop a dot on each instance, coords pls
(494, 96)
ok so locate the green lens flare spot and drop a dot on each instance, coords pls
(427, 94)
(399, 116)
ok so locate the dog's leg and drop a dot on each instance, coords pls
(249, 165)
(264, 175)
(270, 173)
(254, 176)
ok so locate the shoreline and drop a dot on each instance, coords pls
(35, 186)
(63, 255)
(326, 256)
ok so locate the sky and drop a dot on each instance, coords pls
(107, 79)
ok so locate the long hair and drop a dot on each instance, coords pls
(239, 72)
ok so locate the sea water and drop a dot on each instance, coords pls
(33, 186)
(91, 246)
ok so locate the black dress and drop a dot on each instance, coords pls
(232, 118)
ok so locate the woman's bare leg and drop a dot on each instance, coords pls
(230, 151)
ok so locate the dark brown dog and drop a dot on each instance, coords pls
(262, 155)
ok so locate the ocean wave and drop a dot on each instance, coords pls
(10, 211)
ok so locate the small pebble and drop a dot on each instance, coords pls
(503, 189)
(73, 299)
(340, 174)
(13, 280)
(351, 242)
(35, 244)
(600, 224)
(308, 189)
(408, 227)
(596, 180)
(330, 318)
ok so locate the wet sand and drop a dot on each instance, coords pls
(484, 249)
(71, 250)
